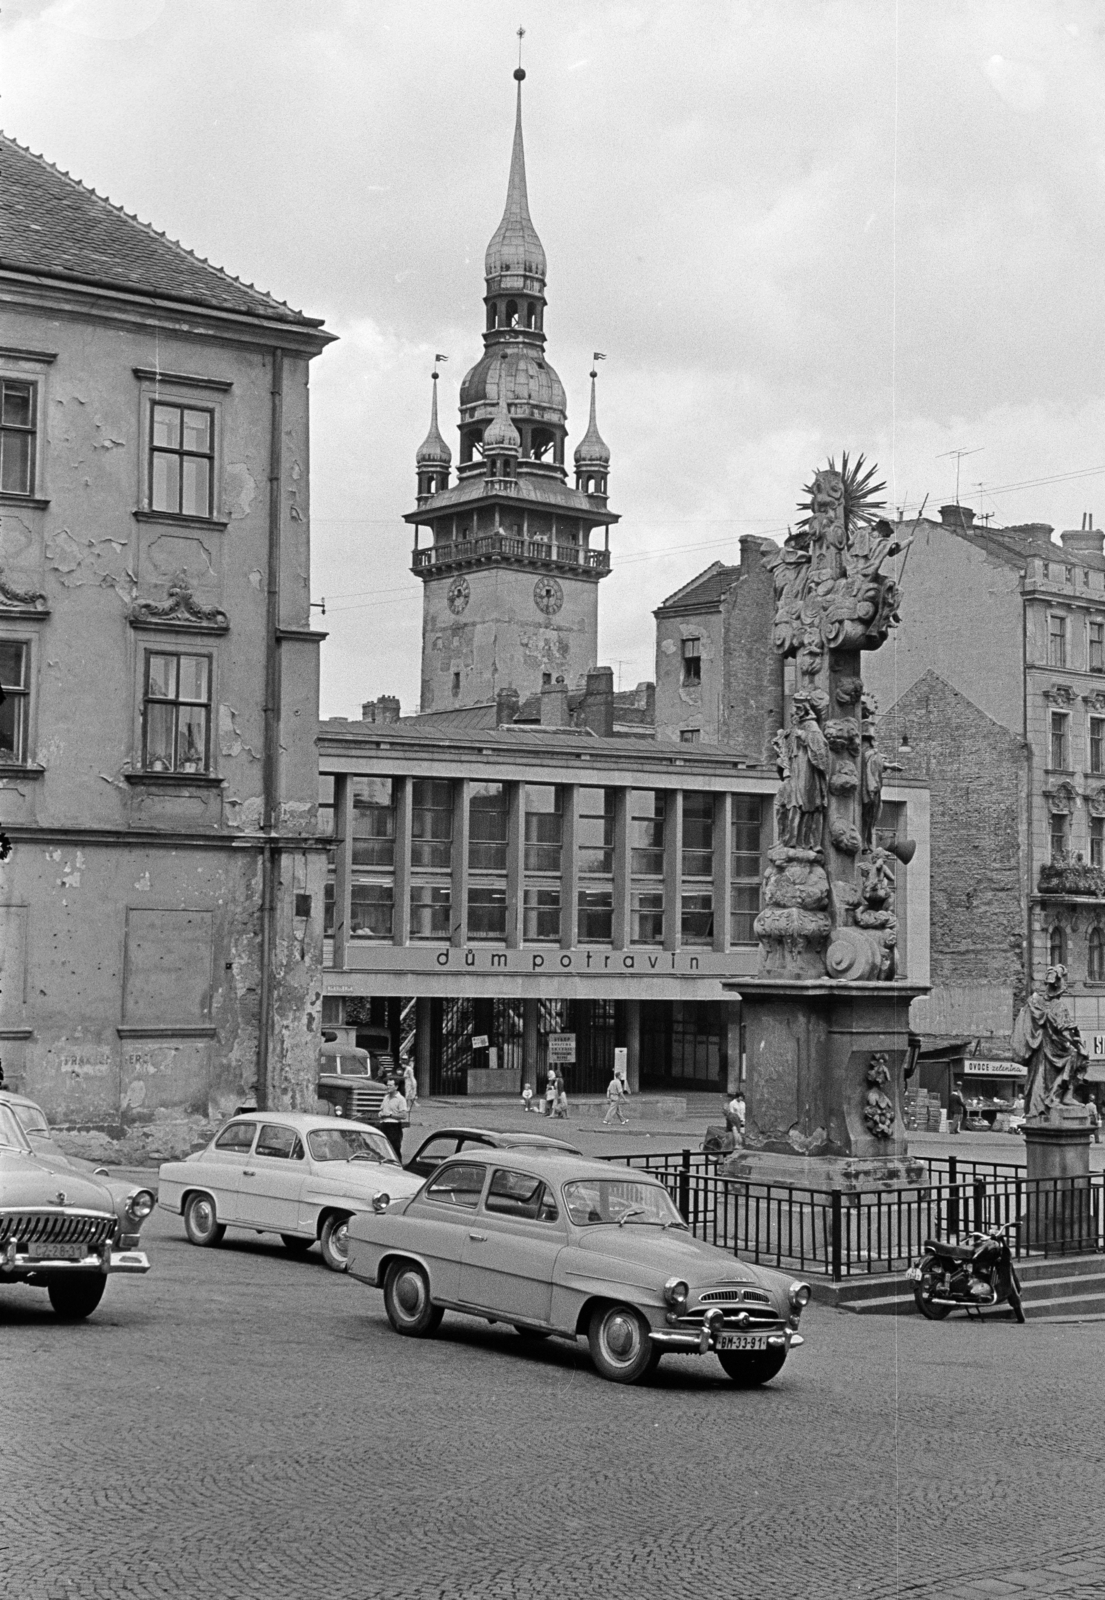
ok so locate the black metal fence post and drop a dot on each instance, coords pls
(685, 1187)
(980, 1204)
(836, 1237)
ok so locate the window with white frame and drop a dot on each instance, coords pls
(1057, 641)
(692, 661)
(176, 721)
(1060, 739)
(17, 436)
(15, 710)
(1097, 646)
(1060, 835)
(1097, 841)
(182, 459)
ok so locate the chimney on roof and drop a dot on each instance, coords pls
(1086, 540)
(598, 702)
(554, 705)
(507, 703)
(385, 709)
(961, 518)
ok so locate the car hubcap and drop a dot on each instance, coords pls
(339, 1243)
(202, 1217)
(622, 1338)
(408, 1295)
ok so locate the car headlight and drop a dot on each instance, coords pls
(799, 1296)
(381, 1201)
(139, 1205)
(676, 1292)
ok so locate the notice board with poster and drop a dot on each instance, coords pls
(561, 1049)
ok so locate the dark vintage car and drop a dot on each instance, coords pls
(445, 1142)
(60, 1230)
(351, 1079)
(555, 1244)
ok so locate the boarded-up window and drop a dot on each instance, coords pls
(168, 971)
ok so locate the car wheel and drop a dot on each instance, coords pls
(620, 1346)
(922, 1295)
(76, 1297)
(529, 1333)
(407, 1300)
(201, 1222)
(334, 1241)
(748, 1372)
(295, 1244)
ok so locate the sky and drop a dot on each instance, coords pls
(795, 227)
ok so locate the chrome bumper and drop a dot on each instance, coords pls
(106, 1261)
(701, 1344)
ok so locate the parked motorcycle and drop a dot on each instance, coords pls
(978, 1273)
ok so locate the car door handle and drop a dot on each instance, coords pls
(249, 1172)
(480, 1238)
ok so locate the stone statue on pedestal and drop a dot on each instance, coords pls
(803, 761)
(1047, 1041)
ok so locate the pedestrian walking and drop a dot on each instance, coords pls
(560, 1100)
(734, 1116)
(550, 1093)
(1095, 1120)
(410, 1086)
(393, 1114)
(617, 1090)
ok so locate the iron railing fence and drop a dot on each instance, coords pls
(939, 1169)
(842, 1234)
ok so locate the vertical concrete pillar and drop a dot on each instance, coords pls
(673, 869)
(343, 863)
(401, 916)
(423, 1044)
(515, 863)
(633, 1045)
(723, 885)
(459, 909)
(529, 1044)
(621, 923)
(734, 1077)
(569, 866)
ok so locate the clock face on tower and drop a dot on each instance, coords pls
(548, 596)
(459, 594)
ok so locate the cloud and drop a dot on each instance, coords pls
(1019, 85)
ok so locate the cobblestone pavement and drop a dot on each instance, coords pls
(242, 1426)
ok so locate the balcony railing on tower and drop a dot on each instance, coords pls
(511, 547)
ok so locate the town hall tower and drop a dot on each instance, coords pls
(510, 574)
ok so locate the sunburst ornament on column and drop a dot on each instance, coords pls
(858, 492)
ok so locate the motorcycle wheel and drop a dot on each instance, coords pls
(922, 1295)
(1015, 1298)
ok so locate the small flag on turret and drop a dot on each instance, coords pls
(598, 356)
(440, 358)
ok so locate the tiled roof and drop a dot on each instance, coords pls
(705, 590)
(53, 226)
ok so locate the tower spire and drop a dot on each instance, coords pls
(433, 457)
(515, 248)
(592, 453)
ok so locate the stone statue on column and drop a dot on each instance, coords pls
(1046, 1039)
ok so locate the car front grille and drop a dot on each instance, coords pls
(90, 1228)
(364, 1104)
(736, 1292)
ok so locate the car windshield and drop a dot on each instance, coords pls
(592, 1201)
(342, 1144)
(11, 1134)
(33, 1120)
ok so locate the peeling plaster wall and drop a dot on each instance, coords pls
(71, 903)
(681, 706)
(501, 640)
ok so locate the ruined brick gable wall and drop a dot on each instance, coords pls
(752, 700)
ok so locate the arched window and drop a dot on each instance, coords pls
(1096, 969)
(1057, 946)
(492, 315)
(542, 443)
(531, 314)
(512, 313)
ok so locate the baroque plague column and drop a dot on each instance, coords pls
(826, 1021)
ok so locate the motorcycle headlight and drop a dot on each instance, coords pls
(139, 1205)
(676, 1292)
(799, 1296)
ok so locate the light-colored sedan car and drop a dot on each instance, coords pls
(564, 1245)
(284, 1172)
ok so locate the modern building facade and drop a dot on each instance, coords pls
(496, 887)
(512, 563)
(161, 914)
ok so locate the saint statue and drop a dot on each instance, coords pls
(871, 769)
(802, 756)
(1047, 1041)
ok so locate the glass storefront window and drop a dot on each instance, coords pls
(373, 822)
(646, 833)
(486, 912)
(431, 910)
(370, 911)
(698, 835)
(596, 916)
(431, 823)
(745, 866)
(541, 915)
(326, 805)
(596, 830)
(646, 910)
(487, 825)
(544, 827)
